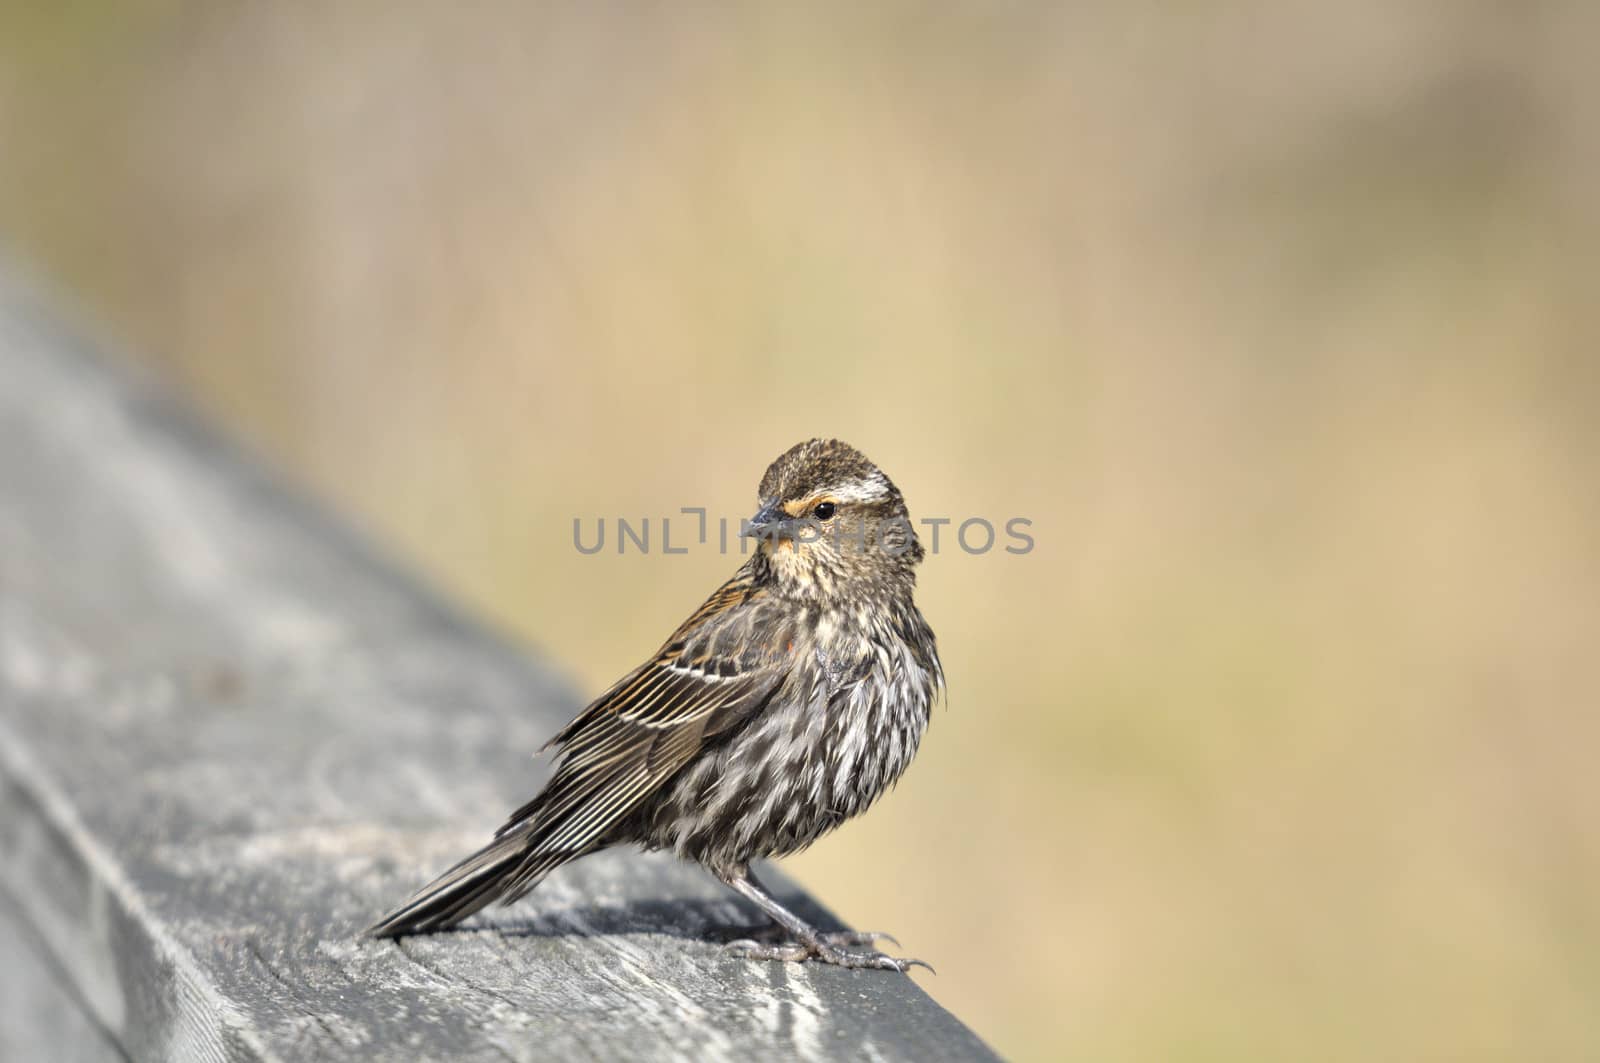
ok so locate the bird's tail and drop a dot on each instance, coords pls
(505, 869)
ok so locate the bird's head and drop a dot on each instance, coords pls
(831, 521)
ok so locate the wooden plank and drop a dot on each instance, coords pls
(40, 1017)
(230, 736)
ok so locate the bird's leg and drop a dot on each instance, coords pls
(808, 943)
(849, 938)
(772, 932)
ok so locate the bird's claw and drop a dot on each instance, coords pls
(852, 958)
(854, 938)
(837, 938)
(825, 949)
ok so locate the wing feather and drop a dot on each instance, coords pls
(714, 672)
(719, 668)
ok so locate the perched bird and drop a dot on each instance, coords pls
(787, 703)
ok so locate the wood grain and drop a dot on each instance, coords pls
(231, 735)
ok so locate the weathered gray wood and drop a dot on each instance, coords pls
(39, 1016)
(229, 738)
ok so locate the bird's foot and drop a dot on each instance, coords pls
(832, 948)
(775, 935)
(848, 957)
(847, 939)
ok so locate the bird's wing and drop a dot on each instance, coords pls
(720, 666)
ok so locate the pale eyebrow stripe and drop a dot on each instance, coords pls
(869, 490)
(872, 489)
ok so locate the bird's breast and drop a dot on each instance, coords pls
(839, 731)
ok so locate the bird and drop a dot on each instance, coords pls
(786, 704)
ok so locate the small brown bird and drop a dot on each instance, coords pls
(787, 703)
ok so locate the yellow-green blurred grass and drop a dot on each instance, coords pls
(1277, 321)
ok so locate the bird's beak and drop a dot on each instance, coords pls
(770, 521)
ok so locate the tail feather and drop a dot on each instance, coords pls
(506, 869)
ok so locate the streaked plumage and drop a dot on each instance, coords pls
(787, 703)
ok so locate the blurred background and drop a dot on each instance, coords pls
(1279, 321)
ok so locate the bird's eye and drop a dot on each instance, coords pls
(824, 511)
